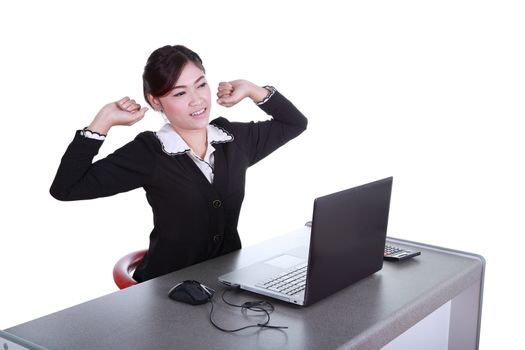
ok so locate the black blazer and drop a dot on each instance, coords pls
(193, 219)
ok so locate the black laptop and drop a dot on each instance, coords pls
(347, 243)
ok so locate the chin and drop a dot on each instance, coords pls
(202, 123)
(205, 119)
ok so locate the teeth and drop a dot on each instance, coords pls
(198, 112)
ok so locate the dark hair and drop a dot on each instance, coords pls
(164, 67)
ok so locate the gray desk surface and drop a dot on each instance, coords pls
(366, 315)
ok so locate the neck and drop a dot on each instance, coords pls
(196, 139)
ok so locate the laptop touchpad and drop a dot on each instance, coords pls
(284, 261)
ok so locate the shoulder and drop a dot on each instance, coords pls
(148, 138)
(222, 123)
(235, 129)
(224, 126)
(144, 143)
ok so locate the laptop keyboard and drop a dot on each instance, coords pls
(289, 282)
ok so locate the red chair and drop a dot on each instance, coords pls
(125, 267)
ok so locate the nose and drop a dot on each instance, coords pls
(195, 98)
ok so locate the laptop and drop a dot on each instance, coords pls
(347, 241)
(10, 341)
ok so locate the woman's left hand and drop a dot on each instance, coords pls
(232, 92)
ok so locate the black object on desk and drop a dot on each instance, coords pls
(191, 292)
(394, 253)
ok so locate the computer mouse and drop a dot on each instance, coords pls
(191, 292)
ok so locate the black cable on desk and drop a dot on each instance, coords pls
(256, 306)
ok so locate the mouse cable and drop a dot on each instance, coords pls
(256, 306)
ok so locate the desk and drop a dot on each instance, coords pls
(382, 310)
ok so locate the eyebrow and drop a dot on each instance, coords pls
(183, 86)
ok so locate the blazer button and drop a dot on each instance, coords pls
(217, 238)
(217, 203)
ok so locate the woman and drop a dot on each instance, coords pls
(193, 170)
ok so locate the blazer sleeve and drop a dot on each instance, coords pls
(78, 177)
(262, 138)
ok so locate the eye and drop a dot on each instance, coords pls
(203, 85)
(179, 94)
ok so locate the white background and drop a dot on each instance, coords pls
(430, 92)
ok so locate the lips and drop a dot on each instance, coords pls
(198, 113)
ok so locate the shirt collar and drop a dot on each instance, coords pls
(173, 144)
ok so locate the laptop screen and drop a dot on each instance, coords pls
(347, 238)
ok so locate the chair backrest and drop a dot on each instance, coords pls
(124, 268)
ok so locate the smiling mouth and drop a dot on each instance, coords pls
(198, 113)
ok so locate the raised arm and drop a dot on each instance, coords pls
(232, 92)
(127, 168)
(122, 112)
(261, 138)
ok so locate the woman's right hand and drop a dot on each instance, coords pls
(123, 112)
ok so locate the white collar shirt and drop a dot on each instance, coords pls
(174, 144)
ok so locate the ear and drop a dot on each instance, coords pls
(155, 102)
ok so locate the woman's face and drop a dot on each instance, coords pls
(187, 105)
